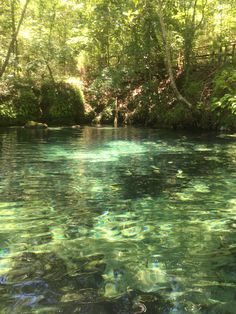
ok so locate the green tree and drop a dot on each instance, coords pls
(15, 31)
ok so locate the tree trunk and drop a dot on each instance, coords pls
(13, 27)
(50, 72)
(116, 114)
(13, 40)
(168, 58)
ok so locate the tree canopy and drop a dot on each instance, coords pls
(127, 52)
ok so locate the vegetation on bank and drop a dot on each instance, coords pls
(212, 92)
(150, 63)
(51, 102)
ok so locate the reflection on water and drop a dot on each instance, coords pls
(103, 220)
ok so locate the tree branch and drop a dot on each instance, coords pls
(168, 58)
(14, 37)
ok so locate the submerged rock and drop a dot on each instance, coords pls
(151, 303)
(134, 302)
(44, 266)
(94, 266)
(85, 296)
(35, 125)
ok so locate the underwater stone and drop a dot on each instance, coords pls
(110, 290)
(83, 281)
(42, 265)
(83, 295)
(95, 266)
(151, 303)
(137, 302)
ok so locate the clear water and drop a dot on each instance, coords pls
(103, 220)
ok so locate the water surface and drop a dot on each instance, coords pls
(104, 220)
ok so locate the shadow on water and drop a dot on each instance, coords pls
(41, 283)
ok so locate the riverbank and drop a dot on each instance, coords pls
(210, 90)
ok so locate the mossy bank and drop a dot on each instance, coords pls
(49, 102)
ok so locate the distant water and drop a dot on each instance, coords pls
(126, 220)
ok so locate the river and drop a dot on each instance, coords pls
(117, 220)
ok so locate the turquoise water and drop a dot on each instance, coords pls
(104, 220)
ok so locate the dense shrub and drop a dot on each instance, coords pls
(224, 112)
(224, 82)
(193, 89)
(107, 116)
(7, 114)
(144, 103)
(107, 87)
(18, 102)
(56, 103)
(25, 101)
(7, 111)
(212, 93)
(223, 101)
(61, 103)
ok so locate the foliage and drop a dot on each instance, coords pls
(25, 101)
(140, 105)
(7, 110)
(194, 88)
(19, 101)
(224, 111)
(61, 103)
(108, 113)
(223, 102)
(55, 102)
(178, 116)
(7, 114)
(224, 82)
(113, 48)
